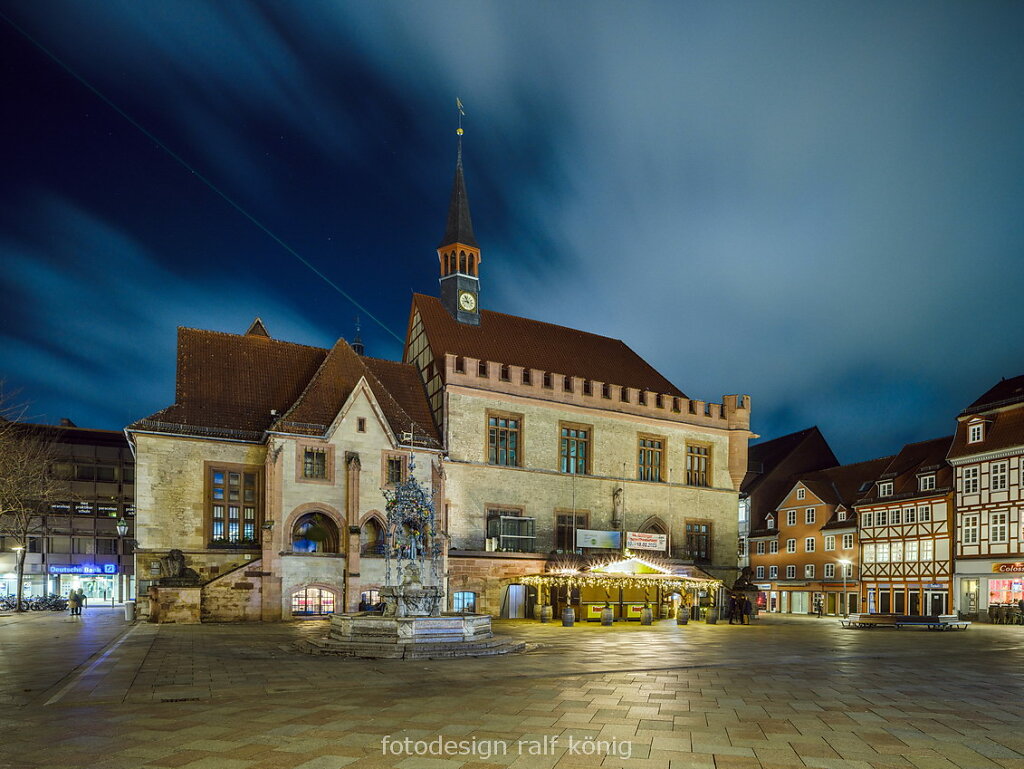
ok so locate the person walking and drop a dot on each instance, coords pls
(819, 606)
(748, 611)
(81, 601)
(73, 604)
(732, 609)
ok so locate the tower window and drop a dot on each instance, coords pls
(481, 368)
(462, 261)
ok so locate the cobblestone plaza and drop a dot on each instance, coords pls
(784, 692)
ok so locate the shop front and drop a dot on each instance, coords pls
(983, 587)
(101, 583)
(626, 586)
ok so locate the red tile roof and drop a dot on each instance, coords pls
(915, 459)
(1004, 429)
(228, 385)
(1004, 393)
(517, 341)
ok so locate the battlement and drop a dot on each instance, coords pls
(733, 413)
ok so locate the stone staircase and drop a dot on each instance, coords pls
(484, 647)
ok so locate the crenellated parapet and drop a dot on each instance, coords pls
(733, 413)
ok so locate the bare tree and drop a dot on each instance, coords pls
(27, 486)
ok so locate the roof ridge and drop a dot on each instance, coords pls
(312, 380)
(251, 337)
(534, 320)
(387, 392)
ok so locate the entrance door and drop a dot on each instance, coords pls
(936, 602)
(915, 603)
(898, 602)
(970, 599)
(884, 606)
(831, 605)
(515, 602)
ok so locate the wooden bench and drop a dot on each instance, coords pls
(898, 621)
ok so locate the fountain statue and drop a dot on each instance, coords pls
(414, 624)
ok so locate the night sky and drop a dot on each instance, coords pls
(818, 204)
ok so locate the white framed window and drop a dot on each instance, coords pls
(999, 479)
(791, 518)
(741, 548)
(894, 517)
(830, 542)
(976, 432)
(910, 550)
(760, 572)
(809, 515)
(868, 553)
(760, 548)
(770, 521)
(866, 520)
(830, 571)
(882, 552)
(970, 485)
(924, 514)
(791, 572)
(896, 551)
(885, 488)
(970, 530)
(927, 549)
(809, 545)
(773, 572)
(801, 493)
(848, 568)
(847, 542)
(997, 527)
(880, 518)
(910, 515)
(773, 546)
(809, 571)
(841, 515)
(926, 482)
(790, 545)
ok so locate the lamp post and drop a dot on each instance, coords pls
(843, 562)
(19, 556)
(122, 532)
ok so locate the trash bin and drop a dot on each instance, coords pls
(129, 611)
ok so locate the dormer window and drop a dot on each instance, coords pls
(885, 489)
(976, 432)
(926, 483)
(801, 493)
(841, 515)
(770, 522)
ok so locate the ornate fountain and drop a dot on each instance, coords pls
(413, 625)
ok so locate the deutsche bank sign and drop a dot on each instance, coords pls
(82, 568)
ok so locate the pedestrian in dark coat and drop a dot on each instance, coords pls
(748, 611)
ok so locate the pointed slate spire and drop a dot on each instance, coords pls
(459, 228)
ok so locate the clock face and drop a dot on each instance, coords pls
(467, 301)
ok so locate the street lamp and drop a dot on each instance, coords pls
(844, 562)
(122, 532)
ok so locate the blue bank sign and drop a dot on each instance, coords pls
(83, 568)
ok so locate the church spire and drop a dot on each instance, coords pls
(459, 253)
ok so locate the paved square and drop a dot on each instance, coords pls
(785, 692)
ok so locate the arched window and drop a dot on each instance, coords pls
(464, 601)
(312, 600)
(369, 600)
(371, 538)
(462, 261)
(315, 533)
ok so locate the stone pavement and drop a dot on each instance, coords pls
(794, 692)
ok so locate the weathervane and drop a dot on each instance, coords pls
(462, 114)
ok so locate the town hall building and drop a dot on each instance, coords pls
(539, 443)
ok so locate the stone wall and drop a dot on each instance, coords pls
(487, 574)
(176, 605)
(235, 596)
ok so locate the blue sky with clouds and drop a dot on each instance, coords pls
(818, 205)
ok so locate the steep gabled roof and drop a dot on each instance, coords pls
(914, 459)
(774, 465)
(841, 485)
(239, 386)
(1003, 409)
(534, 344)
(1004, 393)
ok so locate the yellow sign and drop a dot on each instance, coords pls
(1008, 568)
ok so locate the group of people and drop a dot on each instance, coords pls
(741, 610)
(76, 601)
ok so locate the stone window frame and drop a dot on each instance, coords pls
(662, 451)
(301, 447)
(230, 467)
(588, 442)
(709, 464)
(582, 522)
(520, 431)
(389, 454)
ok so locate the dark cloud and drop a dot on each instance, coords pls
(815, 205)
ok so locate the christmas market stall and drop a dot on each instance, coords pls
(627, 585)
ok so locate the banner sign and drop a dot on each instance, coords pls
(595, 538)
(1008, 568)
(637, 540)
(82, 568)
